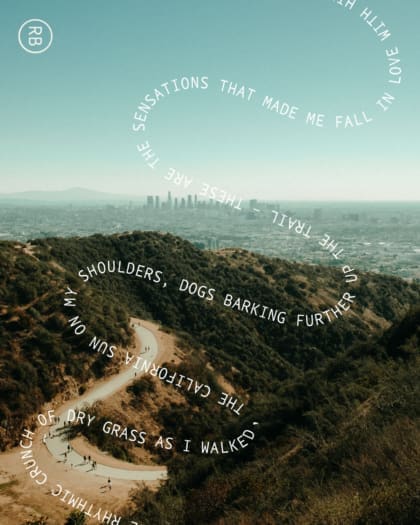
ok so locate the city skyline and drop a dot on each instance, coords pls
(375, 236)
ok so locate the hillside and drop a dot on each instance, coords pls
(326, 398)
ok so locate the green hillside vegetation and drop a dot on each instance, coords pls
(337, 405)
(39, 353)
(338, 445)
(232, 338)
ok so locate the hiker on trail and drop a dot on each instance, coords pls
(84, 460)
(89, 458)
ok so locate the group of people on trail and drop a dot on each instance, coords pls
(88, 459)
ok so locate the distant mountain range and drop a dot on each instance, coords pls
(71, 195)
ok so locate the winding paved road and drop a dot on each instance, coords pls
(57, 444)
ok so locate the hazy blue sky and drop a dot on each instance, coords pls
(66, 115)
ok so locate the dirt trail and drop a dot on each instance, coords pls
(21, 498)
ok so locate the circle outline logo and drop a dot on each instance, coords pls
(31, 50)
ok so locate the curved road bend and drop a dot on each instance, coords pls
(57, 446)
